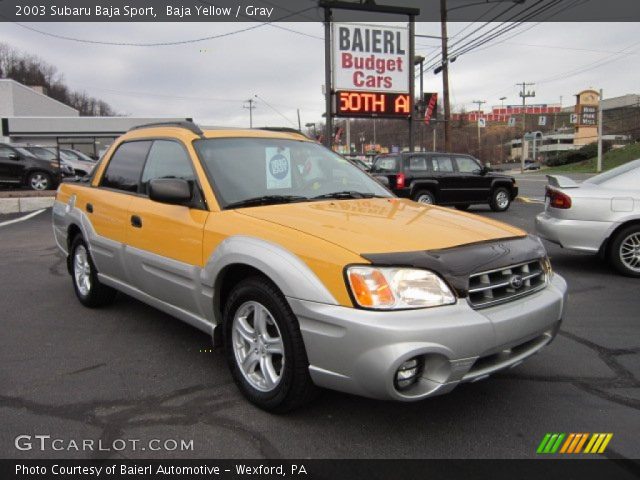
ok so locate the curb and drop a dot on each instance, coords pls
(24, 204)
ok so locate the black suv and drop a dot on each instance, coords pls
(20, 167)
(445, 179)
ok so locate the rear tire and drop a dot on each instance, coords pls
(500, 200)
(425, 197)
(264, 347)
(84, 275)
(624, 252)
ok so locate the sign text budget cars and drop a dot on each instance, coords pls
(370, 57)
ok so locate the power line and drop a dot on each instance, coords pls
(501, 29)
(275, 110)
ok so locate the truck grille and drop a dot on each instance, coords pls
(505, 284)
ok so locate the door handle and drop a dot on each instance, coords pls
(89, 207)
(136, 221)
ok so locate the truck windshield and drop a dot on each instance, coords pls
(261, 171)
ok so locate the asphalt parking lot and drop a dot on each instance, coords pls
(131, 372)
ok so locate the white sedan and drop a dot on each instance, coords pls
(599, 215)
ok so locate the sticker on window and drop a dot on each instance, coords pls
(278, 163)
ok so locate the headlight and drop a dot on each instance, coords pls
(397, 288)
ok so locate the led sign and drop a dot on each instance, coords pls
(372, 104)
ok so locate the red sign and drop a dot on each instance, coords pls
(372, 104)
(431, 105)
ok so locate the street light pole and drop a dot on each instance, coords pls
(480, 103)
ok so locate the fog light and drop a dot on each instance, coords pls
(408, 373)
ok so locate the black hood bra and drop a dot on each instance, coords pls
(456, 264)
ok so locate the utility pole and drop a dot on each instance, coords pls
(445, 76)
(599, 166)
(299, 124)
(328, 126)
(250, 107)
(479, 103)
(524, 93)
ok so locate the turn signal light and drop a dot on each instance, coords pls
(370, 288)
(558, 199)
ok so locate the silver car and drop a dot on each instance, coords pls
(599, 215)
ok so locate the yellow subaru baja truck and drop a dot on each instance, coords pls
(308, 271)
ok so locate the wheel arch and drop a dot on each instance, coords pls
(431, 185)
(606, 244)
(239, 256)
(501, 182)
(73, 230)
(35, 169)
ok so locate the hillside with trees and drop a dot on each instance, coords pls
(32, 71)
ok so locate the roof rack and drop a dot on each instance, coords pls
(283, 129)
(187, 125)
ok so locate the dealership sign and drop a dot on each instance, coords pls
(373, 58)
(372, 104)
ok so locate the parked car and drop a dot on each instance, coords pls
(81, 163)
(531, 165)
(50, 155)
(80, 167)
(599, 215)
(19, 167)
(307, 271)
(445, 179)
(359, 163)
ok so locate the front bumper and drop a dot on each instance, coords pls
(359, 351)
(583, 235)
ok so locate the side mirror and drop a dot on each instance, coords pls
(174, 191)
(14, 156)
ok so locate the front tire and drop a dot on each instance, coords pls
(264, 347)
(624, 253)
(88, 288)
(39, 181)
(425, 197)
(500, 200)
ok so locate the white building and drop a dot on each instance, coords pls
(18, 100)
(29, 117)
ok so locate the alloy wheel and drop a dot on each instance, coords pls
(82, 270)
(258, 346)
(630, 252)
(39, 181)
(502, 199)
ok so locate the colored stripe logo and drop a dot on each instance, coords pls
(573, 443)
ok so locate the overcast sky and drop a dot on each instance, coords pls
(209, 80)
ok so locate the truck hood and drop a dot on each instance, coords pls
(381, 225)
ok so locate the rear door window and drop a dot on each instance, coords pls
(386, 165)
(418, 164)
(442, 164)
(125, 167)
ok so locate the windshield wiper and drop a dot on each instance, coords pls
(267, 200)
(346, 194)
